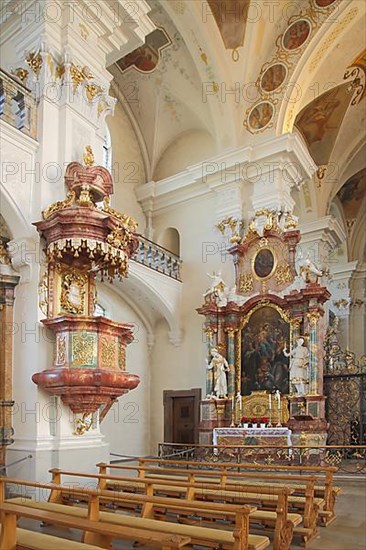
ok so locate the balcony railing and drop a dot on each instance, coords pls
(158, 258)
(17, 105)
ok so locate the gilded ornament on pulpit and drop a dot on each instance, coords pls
(73, 289)
(59, 205)
(84, 348)
(85, 198)
(60, 350)
(88, 157)
(127, 221)
(87, 354)
(43, 293)
(108, 353)
(83, 424)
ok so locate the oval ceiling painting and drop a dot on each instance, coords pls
(296, 34)
(260, 116)
(324, 3)
(273, 77)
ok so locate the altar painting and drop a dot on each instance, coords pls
(263, 363)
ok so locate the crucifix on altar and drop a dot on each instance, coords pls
(264, 338)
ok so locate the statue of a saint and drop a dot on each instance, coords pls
(218, 289)
(309, 271)
(299, 362)
(220, 367)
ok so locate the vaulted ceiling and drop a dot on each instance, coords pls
(232, 72)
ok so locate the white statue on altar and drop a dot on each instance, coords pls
(309, 271)
(299, 362)
(220, 367)
(218, 289)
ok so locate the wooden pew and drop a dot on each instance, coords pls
(305, 504)
(279, 520)
(11, 536)
(238, 539)
(324, 489)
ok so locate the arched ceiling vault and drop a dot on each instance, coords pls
(213, 71)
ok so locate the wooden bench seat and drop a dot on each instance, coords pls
(41, 541)
(227, 495)
(325, 488)
(201, 535)
(276, 519)
(305, 505)
(103, 533)
(239, 539)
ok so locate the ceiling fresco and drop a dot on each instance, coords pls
(289, 45)
(185, 80)
(231, 18)
(146, 57)
(320, 121)
(352, 195)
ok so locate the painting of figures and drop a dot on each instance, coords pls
(260, 115)
(146, 57)
(296, 34)
(263, 363)
(273, 77)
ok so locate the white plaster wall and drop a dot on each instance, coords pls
(127, 425)
(187, 149)
(183, 367)
(127, 166)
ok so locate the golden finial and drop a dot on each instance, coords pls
(88, 156)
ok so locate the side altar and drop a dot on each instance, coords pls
(264, 337)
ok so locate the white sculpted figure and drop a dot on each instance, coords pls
(218, 288)
(299, 362)
(220, 367)
(309, 272)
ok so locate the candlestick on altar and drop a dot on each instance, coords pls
(232, 425)
(278, 399)
(270, 410)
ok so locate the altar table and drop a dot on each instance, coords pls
(273, 437)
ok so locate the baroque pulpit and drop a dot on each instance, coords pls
(84, 238)
(270, 331)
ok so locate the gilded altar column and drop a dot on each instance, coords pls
(231, 360)
(313, 353)
(294, 335)
(209, 372)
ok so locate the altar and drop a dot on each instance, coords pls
(264, 339)
(263, 437)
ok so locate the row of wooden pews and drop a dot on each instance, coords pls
(100, 528)
(166, 504)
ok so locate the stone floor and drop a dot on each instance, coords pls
(347, 532)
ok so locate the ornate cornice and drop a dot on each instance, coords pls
(274, 156)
